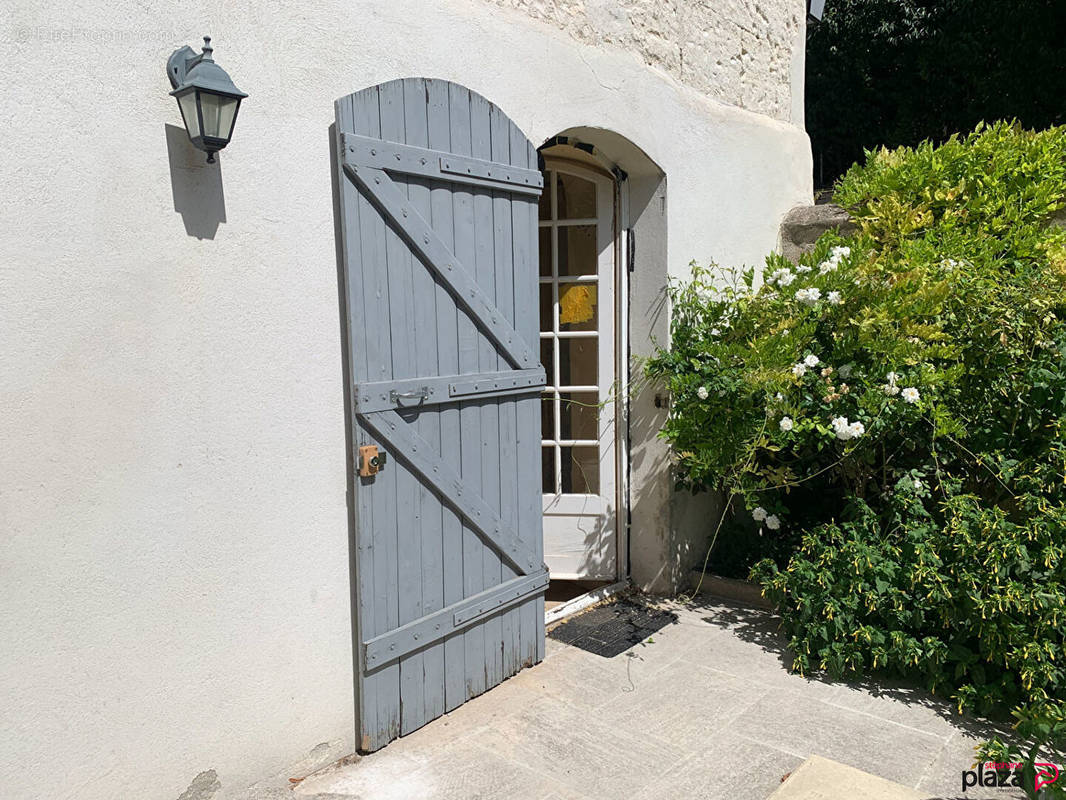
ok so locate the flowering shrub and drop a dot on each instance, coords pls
(895, 404)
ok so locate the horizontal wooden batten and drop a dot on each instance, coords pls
(418, 392)
(407, 159)
(433, 627)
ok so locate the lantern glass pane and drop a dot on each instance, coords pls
(187, 104)
(219, 112)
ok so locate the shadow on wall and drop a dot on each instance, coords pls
(196, 186)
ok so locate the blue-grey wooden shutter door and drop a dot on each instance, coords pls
(438, 203)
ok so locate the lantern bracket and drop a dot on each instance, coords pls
(179, 64)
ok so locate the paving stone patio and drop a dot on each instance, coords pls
(703, 708)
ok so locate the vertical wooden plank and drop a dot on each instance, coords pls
(533, 448)
(447, 335)
(469, 412)
(424, 329)
(503, 259)
(382, 686)
(352, 277)
(488, 361)
(404, 543)
(527, 451)
(372, 611)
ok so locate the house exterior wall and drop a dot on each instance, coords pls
(174, 549)
(738, 51)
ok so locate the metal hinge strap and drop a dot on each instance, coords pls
(421, 392)
(407, 159)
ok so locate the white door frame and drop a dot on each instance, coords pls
(586, 536)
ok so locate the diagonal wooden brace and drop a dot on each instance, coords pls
(418, 454)
(381, 190)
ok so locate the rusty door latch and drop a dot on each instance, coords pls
(371, 460)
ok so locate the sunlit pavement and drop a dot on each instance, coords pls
(704, 708)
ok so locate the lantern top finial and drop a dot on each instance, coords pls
(190, 70)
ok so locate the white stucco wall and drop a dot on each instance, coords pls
(173, 530)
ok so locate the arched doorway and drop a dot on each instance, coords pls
(602, 226)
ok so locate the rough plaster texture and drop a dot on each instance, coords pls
(741, 52)
(174, 552)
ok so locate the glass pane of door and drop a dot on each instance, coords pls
(578, 262)
(569, 319)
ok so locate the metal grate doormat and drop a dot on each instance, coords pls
(612, 629)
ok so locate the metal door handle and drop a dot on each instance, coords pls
(414, 394)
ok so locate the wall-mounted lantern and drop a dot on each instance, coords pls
(206, 96)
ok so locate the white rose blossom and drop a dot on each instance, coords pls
(773, 522)
(890, 389)
(702, 393)
(759, 514)
(785, 424)
(834, 298)
(845, 430)
(836, 255)
(911, 395)
(782, 276)
(809, 296)
(799, 370)
(811, 360)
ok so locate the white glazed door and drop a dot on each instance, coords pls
(577, 341)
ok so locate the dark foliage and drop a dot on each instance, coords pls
(897, 72)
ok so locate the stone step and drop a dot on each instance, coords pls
(821, 779)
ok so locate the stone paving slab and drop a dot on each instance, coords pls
(703, 708)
